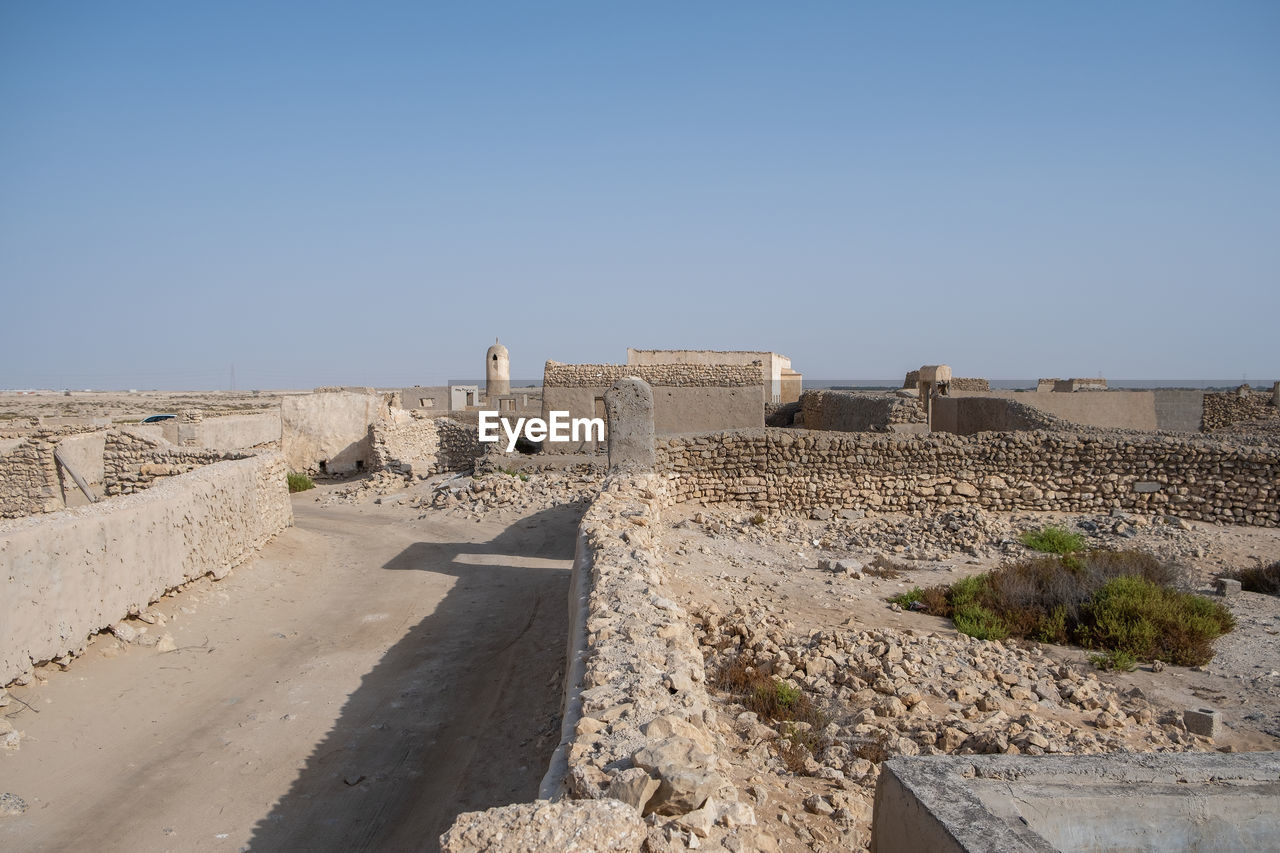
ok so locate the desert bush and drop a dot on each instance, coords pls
(1148, 621)
(908, 598)
(1122, 602)
(1119, 660)
(1264, 579)
(298, 482)
(1052, 540)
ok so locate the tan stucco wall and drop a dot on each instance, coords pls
(332, 426)
(676, 409)
(1109, 409)
(71, 573)
(236, 432)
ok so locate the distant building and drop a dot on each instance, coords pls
(779, 383)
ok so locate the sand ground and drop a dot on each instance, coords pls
(366, 677)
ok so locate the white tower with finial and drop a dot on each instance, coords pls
(497, 371)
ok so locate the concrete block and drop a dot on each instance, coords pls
(1203, 721)
(1021, 804)
(629, 408)
(1227, 586)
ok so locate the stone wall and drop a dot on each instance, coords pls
(604, 375)
(416, 444)
(133, 462)
(71, 573)
(29, 476)
(1223, 409)
(638, 726)
(859, 411)
(957, 383)
(686, 397)
(797, 471)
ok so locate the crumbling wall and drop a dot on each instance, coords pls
(1224, 409)
(132, 462)
(415, 443)
(71, 573)
(1070, 386)
(969, 415)
(29, 476)
(1102, 409)
(331, 427)
(855, 411)
(957, 383)
(800, 470)
(638, 725)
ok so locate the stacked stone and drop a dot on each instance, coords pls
(593, 375)
(414, 443)
(1222, 410)
(459, 445)
(798, 471)
(29, 477)
(966, 383)
(133, 462)
(855, 411)
(644, 733)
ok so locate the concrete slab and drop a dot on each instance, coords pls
(1141, 802)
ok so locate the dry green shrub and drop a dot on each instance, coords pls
(1264, 579)
(1052, 540)
(1122, 601)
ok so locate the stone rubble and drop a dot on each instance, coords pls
(568, 826)
(895, 693)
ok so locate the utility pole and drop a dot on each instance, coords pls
(233, 376)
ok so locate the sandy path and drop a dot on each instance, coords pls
(364, 679)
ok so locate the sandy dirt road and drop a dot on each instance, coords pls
(368, 676)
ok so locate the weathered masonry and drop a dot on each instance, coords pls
(686, 397)
(780, 383)
(799, 470)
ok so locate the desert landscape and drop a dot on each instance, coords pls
(584, 427)
(748, 640)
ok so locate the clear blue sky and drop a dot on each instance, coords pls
(369, 193)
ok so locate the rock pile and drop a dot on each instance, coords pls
(518, 491)
(920, 693)
(965, 530)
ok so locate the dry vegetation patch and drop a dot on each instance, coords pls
(1121, 602)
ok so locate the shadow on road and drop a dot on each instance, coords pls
(463, 713)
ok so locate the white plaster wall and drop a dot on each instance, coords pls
(66, 575)
(237, 432)
(329, 425)
(84, 454)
